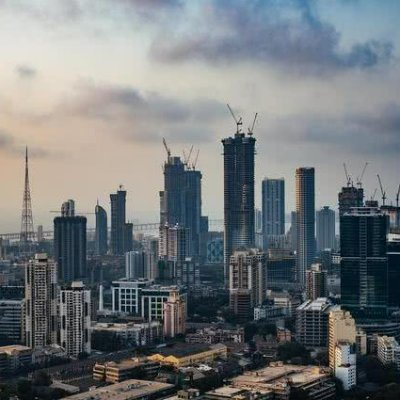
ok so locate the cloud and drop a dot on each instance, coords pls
(359, 132)
(9, 145)
(288, 35)
(25, 71)
(139, 116)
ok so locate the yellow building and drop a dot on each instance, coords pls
(185, 355)
(342, 327)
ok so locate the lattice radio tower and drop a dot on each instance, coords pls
(27, 233)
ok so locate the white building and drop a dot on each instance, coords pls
(388, 350)
(345, 364)
(174, 315)
(75, 319)
(41, 302)
(126, 295)
(135, 265)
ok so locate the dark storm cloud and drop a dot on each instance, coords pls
(26, 71)
(288, 34)
(140, 116)
(9, 145)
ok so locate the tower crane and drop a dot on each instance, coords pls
(167, 149)
(250, 130)
(195, 160)
(348, 177)
(374, 194)
(382, 191)
(186, 158)
(359, 178)
(397, 196)
(239, 122)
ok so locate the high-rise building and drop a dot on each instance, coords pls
(273, 208)
(316, 282)
(364, 263)
(174, 316)
(173, 243)
(312, 322)
(118, 217)
(238, 195)
(305, 211)
(75, 319)
(350, 197)
(247, 271)
(342, 328)
(101, 230)
(135, 265)
(70, 244)
(41, 292)
(326, 236)
(388, 350)
(393, 253)
(292, 233)
(180, 201)
(11, 323)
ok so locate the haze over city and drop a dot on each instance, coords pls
(92, 87)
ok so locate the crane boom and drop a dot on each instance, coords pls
(397, 196)
(348, 178)
(359, 179)
(382, 191)
(167, 148)
(250, 130)
(238, 121)
(195, 160)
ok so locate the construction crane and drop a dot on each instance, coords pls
(167, 148)
(185, 157)
(397, 196)
(382, 191)
(359, 178)
(250, 130)
(195, 160)
(348, 177)
(239, 122)
(374, 194)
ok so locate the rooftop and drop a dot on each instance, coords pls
(127, 390)
(13, 347)
(186, 349)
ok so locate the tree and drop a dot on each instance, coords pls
(290, 350)
(41, 378)
(24, 389)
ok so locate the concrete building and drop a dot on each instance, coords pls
(41, 294)
(364, 263)
(126, 295)
(118, 220)
(11, 321)
(239, 218)
(13, 357)
(388, 350)
(246, 281)
(326, 235)
(75, 319)
(174, 321)
(312, 322)
(101, 242)
(273, 208)
(342, 328)
(135, 265)
(349, 198)
(316, 282)
(281, 269)
(131, 389)
(305, 213)
(187, 273)
(345, 364)
(70, 244)
(153, 299)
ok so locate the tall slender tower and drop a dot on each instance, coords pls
(27, 232)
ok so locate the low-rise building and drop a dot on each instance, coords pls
(128, 390)
(388, 350)
(183, 355)
(271, 312)
(211, 335)
(14, 357)
(114, 372)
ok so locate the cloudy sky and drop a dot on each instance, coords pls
(92, 86)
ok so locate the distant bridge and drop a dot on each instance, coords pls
(150, 227)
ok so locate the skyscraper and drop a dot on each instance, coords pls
(118, 216)
(349, 197)
(326, 237)
(41, 302)
(101, 230)
(70, 244)
(305, 211)
(393, 253)
(364, 263)
(316, 282)
(75, 319)
(238, 194)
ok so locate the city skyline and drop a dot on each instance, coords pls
(72, 108)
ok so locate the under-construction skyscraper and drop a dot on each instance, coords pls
(238, 194)
(27, 232)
